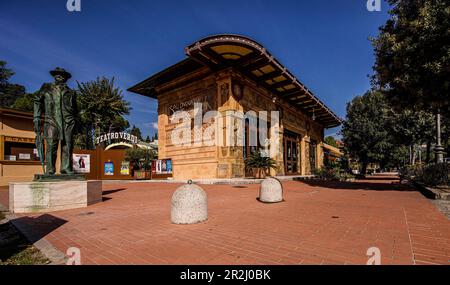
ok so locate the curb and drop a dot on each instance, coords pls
(431, 193)
(232, 181)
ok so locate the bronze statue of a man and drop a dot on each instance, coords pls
(58, 102)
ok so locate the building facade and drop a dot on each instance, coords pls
(19, 160)
(18, 155)
(233, 73)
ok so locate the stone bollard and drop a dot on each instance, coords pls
(189, 205)
(271, 191)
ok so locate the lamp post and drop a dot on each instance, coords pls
(438, 149)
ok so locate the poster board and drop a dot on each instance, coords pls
(125, 168)
(162, 168)
(81, 163)
(108, 169)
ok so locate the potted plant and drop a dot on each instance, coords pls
(259, 164)
(140, 160)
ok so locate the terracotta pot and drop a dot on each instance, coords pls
(259, 173)
(142, 174)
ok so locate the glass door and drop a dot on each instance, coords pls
(312, 155)
(290, 154)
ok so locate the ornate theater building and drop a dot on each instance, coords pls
(235, 73)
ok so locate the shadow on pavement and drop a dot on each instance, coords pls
(389, 185)
(17, 235)
(107, 192)
(35, 228)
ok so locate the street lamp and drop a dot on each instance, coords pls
(438, 149)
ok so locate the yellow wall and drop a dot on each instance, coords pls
(18, 125)
(17, 172)
(188, 162)
(197, 162)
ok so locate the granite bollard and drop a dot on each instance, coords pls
(271, 191)
(189, 205)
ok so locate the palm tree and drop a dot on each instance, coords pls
(259, 164)
(102, 108)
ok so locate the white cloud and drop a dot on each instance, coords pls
(153, 125)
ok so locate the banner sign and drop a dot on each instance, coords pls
(81, 163)
(116, 136)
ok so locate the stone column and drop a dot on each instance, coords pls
(302, 154)
(319, 153)
(163, 120)
(279, 157)
(230, 155)
(299, 154)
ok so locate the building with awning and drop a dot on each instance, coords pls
(19, 159)
(231, 72)
(332, 153)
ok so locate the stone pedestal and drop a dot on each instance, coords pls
(271, 191)
(189, 205)
(58, 177)
(40, 197)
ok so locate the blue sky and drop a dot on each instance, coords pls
(324, 43)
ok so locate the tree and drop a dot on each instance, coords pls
(147, 139)
(397, 157)
(102, 109)
(119, 124)
(5, 73)
(446, 131)
(9, 92)
(413, 128)
(329, 140)
(135, 131)
(365, 130)
(140, 158)
(376, 133)
(412, 53)
(24, 103)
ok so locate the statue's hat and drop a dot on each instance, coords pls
(60, 71)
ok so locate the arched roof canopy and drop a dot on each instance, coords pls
(119, 145)
(254, 61)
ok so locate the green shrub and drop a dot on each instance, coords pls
(139, 158)
(410, 171)
(435, 174)
(257, 161)
(333, 172)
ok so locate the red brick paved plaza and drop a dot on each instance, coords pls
(328, 223)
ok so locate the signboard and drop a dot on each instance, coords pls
(24, 156)
(19, 140)
(207, 102)
(115, 136)
(162, 166)
(125, 168)
(109, 168)
(81, 163)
